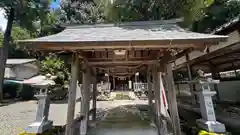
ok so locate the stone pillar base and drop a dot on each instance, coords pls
(211, 126)
(39, 127)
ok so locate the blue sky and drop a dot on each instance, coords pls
(55, 4)
(3, 21)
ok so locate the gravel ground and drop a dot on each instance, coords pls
(16, 116)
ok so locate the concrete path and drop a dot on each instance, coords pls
(18, 115)
(125, 118)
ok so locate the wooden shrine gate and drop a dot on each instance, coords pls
(122, 50)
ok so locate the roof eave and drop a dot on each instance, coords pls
(75, 45)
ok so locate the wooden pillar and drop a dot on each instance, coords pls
(215, 75)
(150, 96)
(191, 85)
(172, 100)
(72, 95)
(85, 100)
(156, 84)
(94, 98)
(114, 83)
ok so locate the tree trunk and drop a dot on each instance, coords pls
(4, 50)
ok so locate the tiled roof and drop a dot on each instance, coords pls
(131, 31)
(226, 25)
(19, 61)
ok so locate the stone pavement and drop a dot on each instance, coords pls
(16, 116)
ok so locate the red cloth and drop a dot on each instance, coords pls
(164, 100)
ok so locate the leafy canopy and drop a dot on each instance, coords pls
(135, 10)
(55, 66)
(80, 12)
(220, 12)
(15, 51)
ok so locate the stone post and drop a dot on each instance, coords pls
(41, 124)
(208, 121)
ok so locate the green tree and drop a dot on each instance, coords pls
(136, 10)
(22, 12)
(49, 24)
(220, 12)
(80, 12)
(55, 66)
(15, 51)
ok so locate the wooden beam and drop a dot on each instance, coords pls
(215, 75)
(167, 58)
(213, 55)
(183, 53)
(122, 74)
(85, 62)
(172, 100)
(224, 62)
(72, 95)
(128, 59)
(122, 62)
(129, 45)
(191, 86)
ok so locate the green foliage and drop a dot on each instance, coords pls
(55, 66)
(220, 12)
(135, 10)
(80, 12)
(34, 15)
(195, 10)
(25, 11)
(48, 24)
(17, 33)
(15, 51)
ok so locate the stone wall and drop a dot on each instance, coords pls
(22, 71)
(228, 90)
